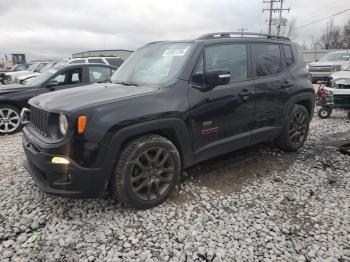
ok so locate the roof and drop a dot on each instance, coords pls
(103, 50)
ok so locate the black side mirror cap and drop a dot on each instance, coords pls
(217, 77)
(52, 83)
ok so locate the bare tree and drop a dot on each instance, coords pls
(332, 37)
(346, 35)
(291, 28)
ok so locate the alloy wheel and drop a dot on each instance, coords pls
(9, 120)
(152, 173)
(298, 128)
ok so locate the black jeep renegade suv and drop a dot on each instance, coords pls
(169, 106)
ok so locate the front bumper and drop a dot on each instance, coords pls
(70, 180)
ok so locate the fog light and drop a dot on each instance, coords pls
(59, 160)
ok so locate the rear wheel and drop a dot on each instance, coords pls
(9, 120)
(296, 129)
(324, 112)
(147, 172)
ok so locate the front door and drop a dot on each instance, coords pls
(66, 79)
(221, 117)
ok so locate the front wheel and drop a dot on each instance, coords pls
(147, 171)
(295, 130)
(324, 112)
(9, 120)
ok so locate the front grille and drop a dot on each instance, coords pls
(39, 120)
(320, 68)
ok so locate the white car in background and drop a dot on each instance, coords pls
(20, 79)
(107, 60)
(328, 64)
(345, 74)
(11, 77)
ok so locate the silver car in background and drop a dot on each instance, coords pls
(328, 64)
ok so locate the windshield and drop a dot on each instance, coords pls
(155, 64)
(335, 57)
(44, 76)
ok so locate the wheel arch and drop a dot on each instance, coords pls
(306, 100)
(174, 130)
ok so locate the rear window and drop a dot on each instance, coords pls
(268, 59)
(114, 61)
(96, 60)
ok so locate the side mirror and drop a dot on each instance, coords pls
(52, 83)
(217, 77)
(316, 60)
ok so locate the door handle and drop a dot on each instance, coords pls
(245, 94)
(287, 83)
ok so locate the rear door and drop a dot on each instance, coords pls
(222, 117)
(273, 84)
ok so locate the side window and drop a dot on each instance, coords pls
(79, 61)
(95, 60)
(268, 59)
(231, 57)
(99, 74)
(60, 78)
(288, 54)
(70, 77)
(114, 61)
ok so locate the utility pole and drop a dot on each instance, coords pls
(271, 10)
(242, 30)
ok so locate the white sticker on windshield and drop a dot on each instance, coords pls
(175, 51)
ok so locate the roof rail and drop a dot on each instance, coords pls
(155, 42)
(240, 34)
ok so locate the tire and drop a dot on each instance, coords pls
(295, 130)
(324, 112)
(144, 163)
(10, 121)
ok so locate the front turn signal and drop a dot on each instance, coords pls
(82, 120)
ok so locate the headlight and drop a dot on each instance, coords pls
(307, 67)
(63, 123)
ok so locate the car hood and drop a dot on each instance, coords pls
(78, 98)
(341, 74)
(16, 73)
(25, 76)
(4, 89)
(328, 63)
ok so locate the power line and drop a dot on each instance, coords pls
(318, 20)
(271, 10)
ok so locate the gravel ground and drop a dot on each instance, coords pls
(258, 204)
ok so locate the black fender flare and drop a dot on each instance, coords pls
(301, 98)
(178, 126)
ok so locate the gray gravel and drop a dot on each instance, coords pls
(300, 212)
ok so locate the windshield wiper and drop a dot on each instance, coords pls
(126, 83)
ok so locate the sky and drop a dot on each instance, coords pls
(58, 28)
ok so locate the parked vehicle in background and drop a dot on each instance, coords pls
(10, 77)
(345, 74)
(20, 79)
(15, 68)
(113, 61)
(14, 97)
(336, 95)
(171, 105)
(328, 64)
